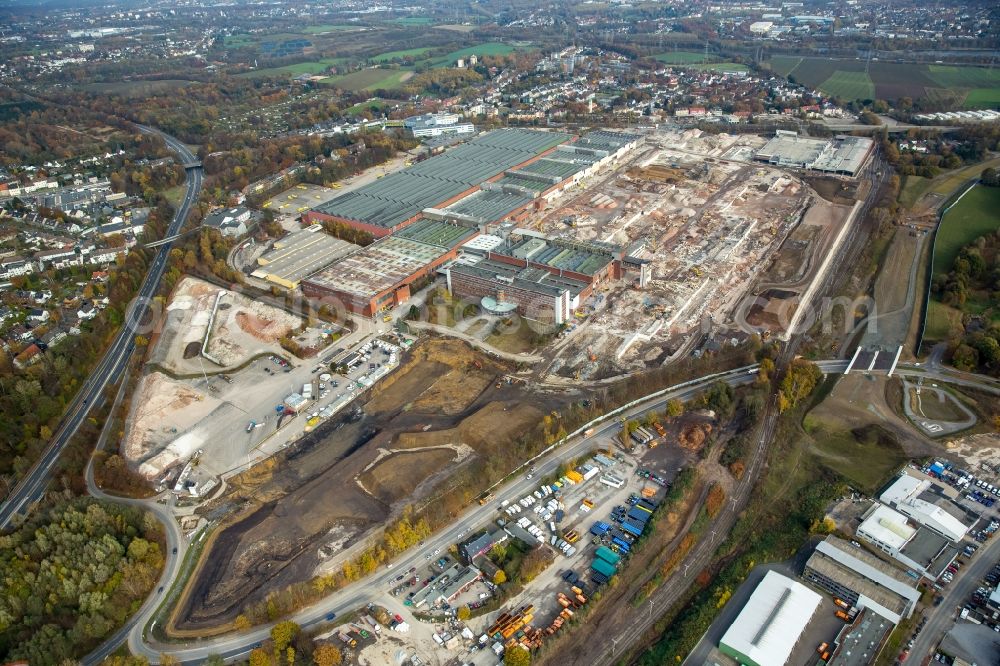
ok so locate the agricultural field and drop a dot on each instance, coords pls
(850, 85)
(239, 41)
(405, 53)
(315, 67)
(328, 27)
(977, 213)
(480, 50)
(680, 57)
(372, 79)
(456, 27)
(414, 20)
(971, 87)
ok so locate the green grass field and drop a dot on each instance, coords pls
(964, 77)
(983, 84)
(680, 57)
(976, 214)
(374, 105)
(239, 41)
(413, 20)
(983, 98)
(722, 67)
(328, 27)
(849, 85)
(913, 188)
(840, 450)
(316, 67)
(405, 53)
(480, 50)
(371, 79)
(131, 89)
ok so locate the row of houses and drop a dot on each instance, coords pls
(64, 257)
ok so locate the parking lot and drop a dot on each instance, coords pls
(298, 199)
(254, 419)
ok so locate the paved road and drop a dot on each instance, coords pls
(237, 645)
(109, 369)
(939, 619)
(175, 541)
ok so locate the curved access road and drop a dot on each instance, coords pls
(236, 645)
(32, 486)
(176, 545)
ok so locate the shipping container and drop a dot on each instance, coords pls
(612, 481)
(632, 528)
(645, 505)
(603, 567)
(622, 544)
(599, 528)
(608, 555)
(638, 514)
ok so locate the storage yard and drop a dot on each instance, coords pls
(414, 420)
(214, 405)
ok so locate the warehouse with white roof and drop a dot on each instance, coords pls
(915, 498)
(771, 622)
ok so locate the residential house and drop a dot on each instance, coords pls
(14, 266)
(86, 312)
(230, 222)
(29, 355)
(38, 315)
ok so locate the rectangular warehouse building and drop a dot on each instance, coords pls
(378, 277)
(771, 622)
(299, 254)
(393, 202)
(862, 579)
(841, 155)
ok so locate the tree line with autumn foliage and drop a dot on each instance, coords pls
(71, 575)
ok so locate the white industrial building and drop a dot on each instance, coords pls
(771, 622)
(907, 495)
(761, 27)
(920, 549)
(437, 124)
(886, 529)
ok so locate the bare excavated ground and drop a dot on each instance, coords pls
(341, 482)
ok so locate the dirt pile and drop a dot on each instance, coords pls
(262, 328)
(693, 436)
(339, 484)
(162, 411)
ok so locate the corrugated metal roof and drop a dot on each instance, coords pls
(397, 197)
(772, 620)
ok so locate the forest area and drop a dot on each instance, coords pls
(71, 575)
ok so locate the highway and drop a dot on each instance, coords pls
(32, 486)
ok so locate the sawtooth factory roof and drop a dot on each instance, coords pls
(394, 199)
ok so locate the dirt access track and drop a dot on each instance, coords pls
(241, 328)
(288, 518)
